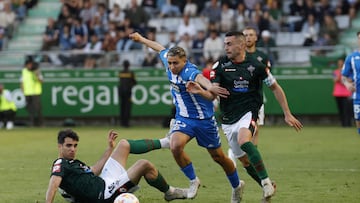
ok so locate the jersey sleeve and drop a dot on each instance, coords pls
(190, 72)
(215, 73)
(163, 57)
(265, 75)
(58, 167)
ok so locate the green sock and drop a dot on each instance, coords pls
(159, 183)
(251, 171)
(143, 146)
(255, 159)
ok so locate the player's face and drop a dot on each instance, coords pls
(250, 38)
(233, 47)
(68, 149)
(176, 63)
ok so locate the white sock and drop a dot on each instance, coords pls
(266, 180)
(165, 142)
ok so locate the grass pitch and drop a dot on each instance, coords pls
(319, 164)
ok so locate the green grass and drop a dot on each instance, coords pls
(319, 164)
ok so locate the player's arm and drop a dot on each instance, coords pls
(195, 88)
(152, 44)
(54, 184)
(216, 90)
(96, 168)
(281, 98)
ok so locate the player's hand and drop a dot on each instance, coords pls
(219, 91)
(193, 87)
(135, 36)
(350, 86)
(293, 122)
(111, 138)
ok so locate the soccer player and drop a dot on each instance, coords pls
(351, 79)
(241, 77)
(252, 51)
(194, 116)
(106, 179)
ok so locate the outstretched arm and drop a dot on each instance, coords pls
(96, 169)
(152, 44)
(281, 98)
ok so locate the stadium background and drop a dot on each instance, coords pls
(91, 94)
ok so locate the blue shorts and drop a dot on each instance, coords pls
(205, 131)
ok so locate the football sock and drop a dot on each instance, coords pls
(251, 171)
(143, 146)
(159, 183)
(234, 179)
(255, 159)
(165, 142)
(189, 171)
(358, 130)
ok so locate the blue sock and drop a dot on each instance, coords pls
(234, 179)
(189, 171)
(359, 131)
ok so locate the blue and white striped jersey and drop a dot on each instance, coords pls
(187, 105)
(351, 69)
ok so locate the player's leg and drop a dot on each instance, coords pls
(177, 144)
(207, 134)
(357, 114)
(179, 138)
(231, 173)
(231, 133)
(144, 168)
(115, 167)
(142, 146)
(244, 140)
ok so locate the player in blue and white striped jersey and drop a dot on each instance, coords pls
(194, 115)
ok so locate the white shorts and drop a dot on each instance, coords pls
(114, 176)
(231, 131)
(261, 119)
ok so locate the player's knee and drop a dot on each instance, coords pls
(124, 144)
(145, 164)
(177, 148)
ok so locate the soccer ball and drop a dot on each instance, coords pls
(126, 198)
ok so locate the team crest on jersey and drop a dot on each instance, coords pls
(259, 58)
(251, 69)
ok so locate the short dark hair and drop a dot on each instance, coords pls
(67, 133)
(176, 51)
(234, 33)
